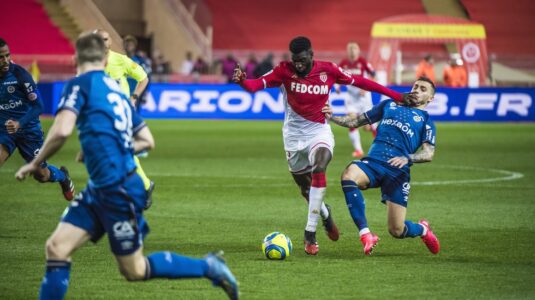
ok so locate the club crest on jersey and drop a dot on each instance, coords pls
(11, 89)
(323, 76)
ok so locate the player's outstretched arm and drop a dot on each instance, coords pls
(424, 154)
(143, 140)
(349, 121)
(408, 99)
(59, 132)
(250, 85)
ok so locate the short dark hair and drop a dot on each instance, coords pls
(423, 78)
(90, 48)
(2, 42)
(300, 44)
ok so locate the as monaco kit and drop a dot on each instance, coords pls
(304, 98)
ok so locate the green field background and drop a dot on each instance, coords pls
(225, 185)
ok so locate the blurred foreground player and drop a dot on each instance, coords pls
(405, 135)
(308, 139)
(110, 131)
(20, 107)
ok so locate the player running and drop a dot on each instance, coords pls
(119, 67)
(405, 135)
(359, 100)
(20, 107)
(110, 131)
(308, 139)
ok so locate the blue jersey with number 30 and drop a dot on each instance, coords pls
(106, 124)
(401, 131)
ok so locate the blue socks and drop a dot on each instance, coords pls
(56, 175)
(355, 203)
(56, 280)
(412, 230)
(171, 265)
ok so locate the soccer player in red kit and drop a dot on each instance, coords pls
(308, 139)
(359, 100)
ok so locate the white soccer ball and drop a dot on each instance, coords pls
(277, 246)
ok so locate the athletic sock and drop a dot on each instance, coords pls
(315, 200)
(354, 136)
(56, 175)
(412, 230)
(355, 203)
(141, 173)
(171, 265)
(56, 280)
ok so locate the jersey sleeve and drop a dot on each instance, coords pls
(376, 113)
(137, 121)
(342, 76)
(32, 96)
(72, 98)
(272, 78)
(430, 133)
(133, 69)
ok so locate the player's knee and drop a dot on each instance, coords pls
(55, 250)
(396, 230)
(42, 178)
(348, 175)
(132, 273)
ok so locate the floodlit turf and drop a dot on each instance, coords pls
(225, 185)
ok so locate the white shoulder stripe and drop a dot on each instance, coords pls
(264, 81)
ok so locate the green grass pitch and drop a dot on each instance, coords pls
(225, 185)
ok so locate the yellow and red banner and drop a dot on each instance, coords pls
(428, 31)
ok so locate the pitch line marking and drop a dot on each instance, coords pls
(505, 176)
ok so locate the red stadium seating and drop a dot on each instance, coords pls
(28, 30)
(240, 24)
(509, 24)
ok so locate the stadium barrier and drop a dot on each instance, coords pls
(229, 101)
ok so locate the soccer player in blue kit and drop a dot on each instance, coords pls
(405, 135)
(20, 107)
(110, 132)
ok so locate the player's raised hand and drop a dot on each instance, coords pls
(410, 99)
(328, 111)
(398, 161)
(27, 169)
(12, 126)
(238, 75)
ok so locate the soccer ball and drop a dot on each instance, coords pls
(277, 246)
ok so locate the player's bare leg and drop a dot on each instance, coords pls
(322, 157)
(59, 248)
(401, 228)
(4, 154)
(354, 180)
(304, 181)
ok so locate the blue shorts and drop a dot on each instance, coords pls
(394, 182)
(28, 141)
(116, 210)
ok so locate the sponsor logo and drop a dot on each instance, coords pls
(11, 105)
(405, 127)
(28, 87)
(312, 89)
(11, 82)
(123, 230)
(127, 245)
(323, 76)
(11, 89)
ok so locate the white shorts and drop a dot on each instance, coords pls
(356, 103)
(302, 160)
